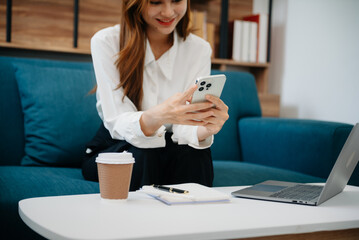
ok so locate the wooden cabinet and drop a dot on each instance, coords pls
(220, 13)
(259, 70)
(270, 103)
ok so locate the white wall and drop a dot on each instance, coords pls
(315, 58)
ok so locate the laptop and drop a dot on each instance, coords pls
(307, 194)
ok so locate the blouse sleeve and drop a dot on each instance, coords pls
(120, 117)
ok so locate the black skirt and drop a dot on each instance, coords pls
(172, 164)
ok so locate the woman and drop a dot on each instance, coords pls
(145, 71)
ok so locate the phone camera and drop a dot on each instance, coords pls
(200, 89)
(208, 85)
(203, 83)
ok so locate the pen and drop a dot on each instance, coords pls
(170, 189)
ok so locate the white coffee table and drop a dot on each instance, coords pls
(142, 217)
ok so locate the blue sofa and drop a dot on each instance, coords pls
(47, 116)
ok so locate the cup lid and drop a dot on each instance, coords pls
(115, 158)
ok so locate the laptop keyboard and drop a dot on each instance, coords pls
(299, 192)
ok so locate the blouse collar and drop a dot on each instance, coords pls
(167, 60)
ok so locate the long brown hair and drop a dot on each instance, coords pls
(130, 62)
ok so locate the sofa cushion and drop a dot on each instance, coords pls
(59, 115)
(307, 146)
(240, 95)
(234, 173)
(20, 182)
(12, 141)
(11, 121)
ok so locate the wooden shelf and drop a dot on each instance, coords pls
(49, 25)
(229, 62)
(61, 49)
(259, 70)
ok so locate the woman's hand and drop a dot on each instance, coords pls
(175, 110)
(215, 122)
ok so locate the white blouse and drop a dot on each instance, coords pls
(175, 71)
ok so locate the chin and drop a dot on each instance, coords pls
(165, 31)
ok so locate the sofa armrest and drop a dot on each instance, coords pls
(306, 146)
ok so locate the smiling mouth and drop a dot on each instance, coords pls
(166, 22)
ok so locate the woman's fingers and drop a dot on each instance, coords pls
(196, 107)
(188, 93)
(215, 122)
(217, 102)
(176, 110)
(202, 116)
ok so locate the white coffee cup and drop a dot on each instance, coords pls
(114, 172)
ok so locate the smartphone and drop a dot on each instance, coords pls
(212, 85)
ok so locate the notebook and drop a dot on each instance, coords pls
(308, 194)
(197, 193)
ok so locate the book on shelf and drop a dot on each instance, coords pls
(211, 36)
(202, 28)
(197, 193)
(198, 23)
(243, 41)
(235, 39)
(253, 26)
(262, 34)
